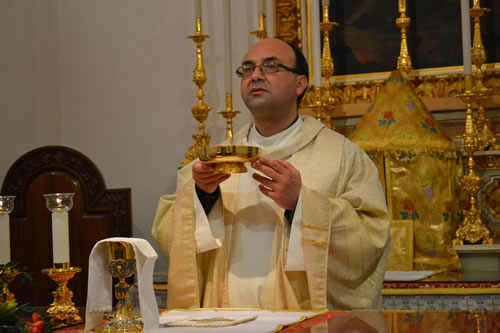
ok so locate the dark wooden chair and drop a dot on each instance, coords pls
(97, 213)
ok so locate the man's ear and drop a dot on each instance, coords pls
(301, 84)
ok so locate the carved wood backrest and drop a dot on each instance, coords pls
(97, 213)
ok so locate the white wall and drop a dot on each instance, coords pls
(113, 80)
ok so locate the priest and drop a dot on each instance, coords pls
(306, 228)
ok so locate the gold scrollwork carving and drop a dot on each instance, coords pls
(487, 162)
(288, 21)
(426, 86)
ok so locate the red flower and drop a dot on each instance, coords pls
(408, 205)
(429, 122)
(37, 325)
(388, 115)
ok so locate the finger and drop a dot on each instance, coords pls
(264, 181)
(217, 181)
(267, 168)
(285, 165)
(267, 192)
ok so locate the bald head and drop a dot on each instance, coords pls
(271, 84)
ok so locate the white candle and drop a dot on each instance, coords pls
(270, 18)
(261, 7)
(4, 238)
(197, 8)
(227, 47)
(466, 41)
(316, 43)
(60, 237)
(325, 2)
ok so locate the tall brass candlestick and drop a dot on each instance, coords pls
(486, 137)
(200, 110)
(229, 114)
(327, 68)
(402, 22)
(261, 32)
(472, 228)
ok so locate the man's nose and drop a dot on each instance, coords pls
(257, 74)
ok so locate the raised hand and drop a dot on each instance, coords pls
(206, 178)
(282, 184)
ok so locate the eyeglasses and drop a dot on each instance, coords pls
(267, 67)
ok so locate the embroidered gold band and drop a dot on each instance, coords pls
(314, 227)
(313, 242)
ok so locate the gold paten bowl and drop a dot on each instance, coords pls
(229, 159)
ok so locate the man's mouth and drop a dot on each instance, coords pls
(257, 91)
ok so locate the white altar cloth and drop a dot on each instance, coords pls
(265, 321)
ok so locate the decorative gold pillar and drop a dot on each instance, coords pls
(200, 110)
(229, 114)
(486, 138)
(472, 228)
(402, 22)
(327, 68)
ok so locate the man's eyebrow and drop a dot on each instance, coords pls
(249, 62)
(271, 59)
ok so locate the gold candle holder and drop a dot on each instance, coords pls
(486, 138)
(472, 228)
(327, 97)
(200, 110)
(261, 32)
(229, 114)
(7, 271)
(121, 265)
(8, 275)
(402, 22)
(62, 311)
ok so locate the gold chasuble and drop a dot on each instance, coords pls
(417, 163)
(344, 231)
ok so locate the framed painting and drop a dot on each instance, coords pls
(366, 44)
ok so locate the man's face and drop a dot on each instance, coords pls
(276, 92)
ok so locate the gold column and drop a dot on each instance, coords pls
(200, 110)
(327, 68)
(402, 22)
(486, 138)
(261, 32)
(229, 114)
(472, 228)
